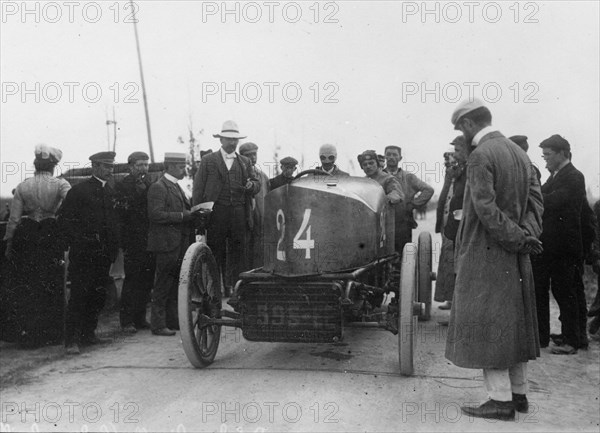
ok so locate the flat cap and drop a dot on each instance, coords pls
(248, 148)
(203, 153)
(176, 157)
(367, 155)
(328, 149)
(459, 139)
(137, 156)
(392, 146)
(556, 143)
(104, 157)
(43, 151)
(521, 141)
(288, 160)
(465, 107)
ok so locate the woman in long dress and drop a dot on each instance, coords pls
(32, 290)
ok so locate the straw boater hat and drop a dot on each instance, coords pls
(229, 130)
(104, 157)
(175, 157)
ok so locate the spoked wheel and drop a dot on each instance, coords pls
(425, 274)
(407, 325)
(199, 300)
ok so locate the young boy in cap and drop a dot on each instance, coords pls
(288, 166)
(132, 209)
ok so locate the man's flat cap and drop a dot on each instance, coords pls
(465, 107)
(459, 139)
(175, 157)
(521, 141)
(104, 157)
(248, 148)
(288, 160)
(137, 156)
(556, 143)
(43, 151)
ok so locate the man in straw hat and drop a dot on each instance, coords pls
(89, 226)
(169, 236)
(493, 323)
(228, 179)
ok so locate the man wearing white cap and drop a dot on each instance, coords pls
(228, 179)
(328, 156)
(169, 236)
(493, 321)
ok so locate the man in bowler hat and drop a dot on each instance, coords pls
(89, 226)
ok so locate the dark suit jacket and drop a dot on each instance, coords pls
(88, 221)
(212, 175)
(132, 210)
(165, 212)
(278, 181)
(563, 197)
(456, 202)
(439, 212)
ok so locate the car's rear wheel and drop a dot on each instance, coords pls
(425, 274)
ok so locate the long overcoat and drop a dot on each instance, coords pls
(493, 318)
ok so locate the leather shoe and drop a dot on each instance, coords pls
(492, 409)
(164, 332)
(129, 329)
(72, 349)
(564, 349)
(557, 339)
(520, 402)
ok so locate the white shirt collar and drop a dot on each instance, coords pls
(482, 133)
(171, 178)
(225, 154)
(103, 182)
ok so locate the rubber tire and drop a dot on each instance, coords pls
(198, 265)
(425, 269)
(407, 321)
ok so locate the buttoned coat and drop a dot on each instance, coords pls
(166, 204)
(564, 195)
(493, 320)
(88, 221)
(212, 176)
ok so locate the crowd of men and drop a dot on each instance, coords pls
(510, 239)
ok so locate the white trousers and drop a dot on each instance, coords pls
(501, 383)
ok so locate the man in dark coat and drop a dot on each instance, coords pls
(492, 321)
(227, 179)
(132, 208)
(564, 193)
(169, 235)
(89, 226)
(288, 166)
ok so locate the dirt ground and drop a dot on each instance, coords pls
(145, 383)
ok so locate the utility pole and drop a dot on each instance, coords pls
(137, 44)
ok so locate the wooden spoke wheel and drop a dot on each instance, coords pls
(424, 274)
(199, 300)
(407, 326)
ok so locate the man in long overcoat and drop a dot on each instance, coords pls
(169, 236)
(228, 179)
(493, 321)
(89, 226)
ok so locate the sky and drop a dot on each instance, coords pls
(295, 75)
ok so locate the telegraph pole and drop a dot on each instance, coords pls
(137, 44)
